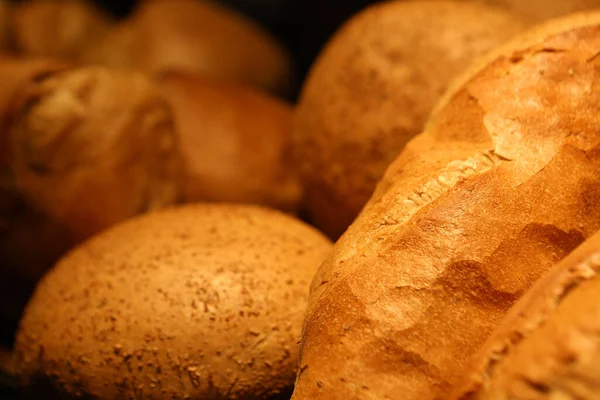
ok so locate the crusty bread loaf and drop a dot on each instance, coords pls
(196, 36)
(548, 345)
(234, 142)
(371, 90)
(57, 28)
(503, 184)
(535, 11)
(195, 302)
(91, 147)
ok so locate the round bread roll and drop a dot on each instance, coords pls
(57, 28)
(234, 143)
(534, 11)
(200, 301)
(548, 346)
(372, 89)
(92, 147)
(196, 36)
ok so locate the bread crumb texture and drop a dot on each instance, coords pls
(201, 301)
(502, 186)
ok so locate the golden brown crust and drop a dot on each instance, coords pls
(81, 130)
(372, 89)
(234, 142)
(501, 187)
(4, 18)
(548, 345)
(57, 28)
(202, 301)
(535, 11)
(201, 37)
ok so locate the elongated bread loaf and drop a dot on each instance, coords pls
(503, 185)
(548, 346)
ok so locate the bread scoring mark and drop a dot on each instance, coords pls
(450, 176)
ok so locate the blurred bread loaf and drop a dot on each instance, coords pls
(548, 346)
(234, 142)
(30, 242)
(4, 18)
(200, 301)
(196, 36)
(502, 186)
(60, 29)
(92, 147)
(371, 90)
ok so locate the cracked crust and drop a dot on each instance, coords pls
(548, 345)
(57, 28)
(234, 142)
(408, 293)
(372, 89)
(77, 131)
(199, 301)
(196, 36)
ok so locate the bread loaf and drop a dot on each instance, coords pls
(234, 142)
(502, 185)
(371, 90)
(548, 346)
(536, 11)
(199, 302)
(196, 36)
(30, 242)
(4, 18)
(92, 147)
(57, 28)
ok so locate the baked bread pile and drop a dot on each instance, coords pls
(157, 193)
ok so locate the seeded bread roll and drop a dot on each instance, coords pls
(196, 36)
(234, 142)
(92, 147)
(371, 91)
(502, 185)
(548, 346)
(57, 28)
(201, 301)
